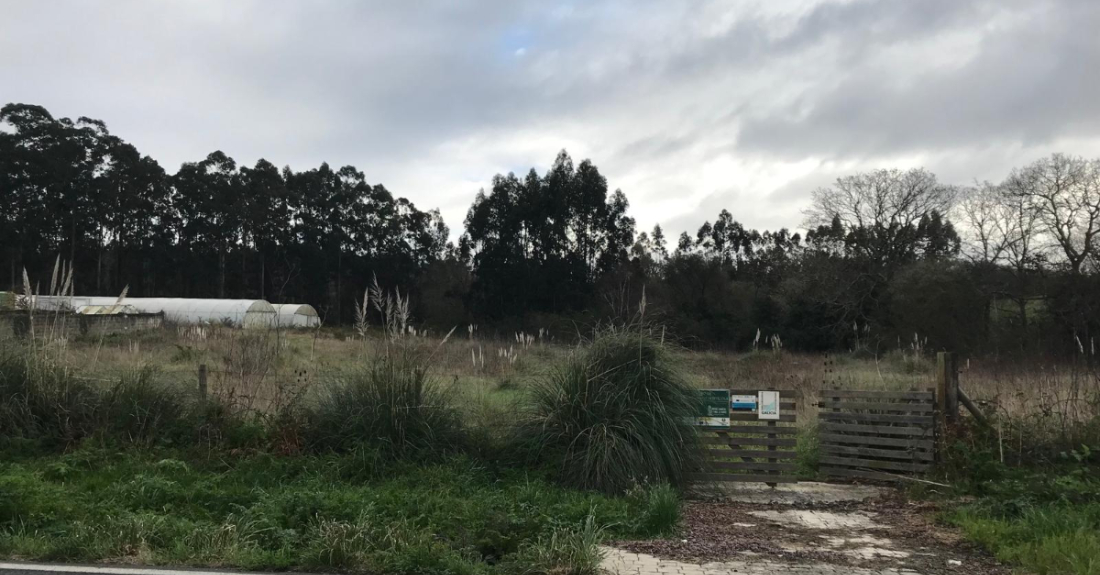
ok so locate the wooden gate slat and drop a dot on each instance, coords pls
(922, 395)
(919, 420)
(764, 429)
(750, 453)
(874, 463)
(829, 438)
(904, 454)
(880, 406)
(880, 429)
(738, 440)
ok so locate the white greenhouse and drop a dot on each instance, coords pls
(186, 311)
(296, 315)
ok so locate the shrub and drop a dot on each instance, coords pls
(40, 399)
(140, 408)
(615, 415)
(392, 404)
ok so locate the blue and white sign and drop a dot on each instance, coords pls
(743, 403)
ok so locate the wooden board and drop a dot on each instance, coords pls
(920, 420)
(751, 466)
(903, 454)
(732, 440)
(857, 473)
(874, 463)
(726, 453)
(921, 395)
(762, 429)
(908, 430)
(836, 438)
(879, 406)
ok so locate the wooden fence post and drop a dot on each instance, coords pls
(947, 396)
(202, 381)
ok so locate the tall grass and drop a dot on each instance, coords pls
(569, 551)
(615, 415)
(41, 400)
(392, 403)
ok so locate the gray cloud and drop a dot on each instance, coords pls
(688, 107)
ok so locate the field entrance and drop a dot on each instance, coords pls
(749, 448)
(876, 434)
(880, 435)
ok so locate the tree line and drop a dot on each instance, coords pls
(888, 259)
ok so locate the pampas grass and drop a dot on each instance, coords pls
(615, 415)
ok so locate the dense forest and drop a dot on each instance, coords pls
(889, 258)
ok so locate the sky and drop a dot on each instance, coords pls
(689, 107)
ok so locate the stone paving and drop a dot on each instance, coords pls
(618, 562)
(844, 533)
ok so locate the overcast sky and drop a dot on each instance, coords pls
(688, 107)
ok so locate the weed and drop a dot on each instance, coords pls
(660, 506)
(567, 551)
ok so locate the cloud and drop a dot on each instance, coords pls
(689, 107)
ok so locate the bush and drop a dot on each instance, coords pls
(140, 408)
(392, 404)
(39, 399)
(614, 416)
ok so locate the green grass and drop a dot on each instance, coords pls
(1051, 538)
(1045, 519)
(352, 511)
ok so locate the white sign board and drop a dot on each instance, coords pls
(743, 402)
(768, 405)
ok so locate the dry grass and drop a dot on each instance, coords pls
(263, 370)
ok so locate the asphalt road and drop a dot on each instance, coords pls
(20, 568)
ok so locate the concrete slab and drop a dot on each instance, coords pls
(803, 493)
(619, 562)
(810, 519)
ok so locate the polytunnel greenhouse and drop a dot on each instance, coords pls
(296, 315)
(236, 312)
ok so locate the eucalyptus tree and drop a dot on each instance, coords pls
(210, 201)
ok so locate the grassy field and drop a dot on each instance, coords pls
(256, 493)
(352, 511)
(259, 370)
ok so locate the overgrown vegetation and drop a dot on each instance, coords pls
(615, 415)
(375, 469)
(355, 511)
(1036, 506)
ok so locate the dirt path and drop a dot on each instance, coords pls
(807, 528)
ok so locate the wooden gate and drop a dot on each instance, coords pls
(751, 449)
(876, 434)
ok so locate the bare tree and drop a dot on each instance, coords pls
(1002, 228)
(886, 204)
(982, 210)
(1064, 191)
(881, 198)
